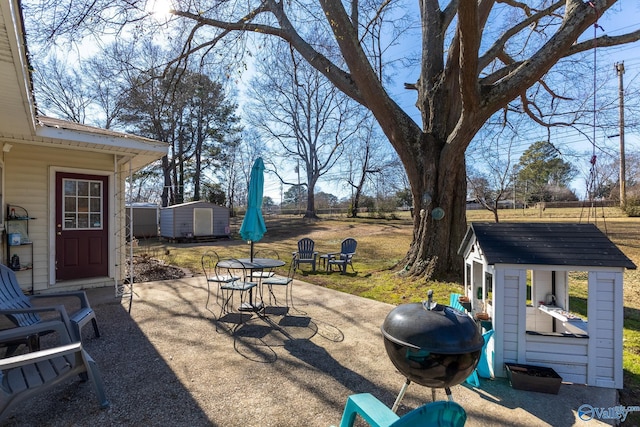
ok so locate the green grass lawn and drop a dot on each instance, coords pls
(382, 243)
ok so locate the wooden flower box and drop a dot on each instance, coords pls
(533, 378)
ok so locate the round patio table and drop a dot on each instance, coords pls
(248, 264)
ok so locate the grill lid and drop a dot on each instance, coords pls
(432, 327)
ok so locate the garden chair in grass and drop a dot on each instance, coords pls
(26, 376)
(18, 307)
(344, 257)
(444, 413)
(306, 253)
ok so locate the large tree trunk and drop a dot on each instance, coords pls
(459, 87)
(166, 175)
(436, 238)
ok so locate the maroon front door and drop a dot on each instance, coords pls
(82, 245)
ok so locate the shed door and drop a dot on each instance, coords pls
(82, 245)
(202, 221)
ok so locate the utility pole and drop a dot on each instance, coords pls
(623, 192)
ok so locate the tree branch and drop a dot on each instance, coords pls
(469, 45)
(603, 41)
(498, 46)
(578, 16)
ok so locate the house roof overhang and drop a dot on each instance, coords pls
(17, 106)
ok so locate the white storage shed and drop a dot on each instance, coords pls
(144, 218)
(194, 220)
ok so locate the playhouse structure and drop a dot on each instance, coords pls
(519, 275)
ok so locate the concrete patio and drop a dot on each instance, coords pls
(169, 362)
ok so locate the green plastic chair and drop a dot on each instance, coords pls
(444, 413)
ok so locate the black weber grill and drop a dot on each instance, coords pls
(431, 344)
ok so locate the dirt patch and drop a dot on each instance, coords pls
(148, 269)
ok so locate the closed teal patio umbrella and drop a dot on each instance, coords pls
(253, 226)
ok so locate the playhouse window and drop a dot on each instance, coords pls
(557, 302)
(488, 286)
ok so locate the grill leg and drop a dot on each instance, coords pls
(403, 390)
(449, 396)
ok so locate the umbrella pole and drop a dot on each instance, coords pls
(251, 251)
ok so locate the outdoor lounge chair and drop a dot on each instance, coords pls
(441, 413)
(454, 302)
(305, 253)
(13, 303)
(24, 376)
(344, 257)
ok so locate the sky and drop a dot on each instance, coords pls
(574, 141)
(621, 23)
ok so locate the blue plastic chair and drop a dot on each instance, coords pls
(483, 369)
(444, 413)
(455, 303)
(306, 253)
(345, 257)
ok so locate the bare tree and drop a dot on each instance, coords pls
(476, 58)
(298, 109)
(61, 90)
(607, 177)
(366, 156)
(189, 111)
(490, 178)
(107, 75)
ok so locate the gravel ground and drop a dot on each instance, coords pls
(173, 362)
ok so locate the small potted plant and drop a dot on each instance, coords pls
(465, 302)
(482, 316)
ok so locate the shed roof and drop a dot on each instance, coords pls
(545, 243)
(195, 203)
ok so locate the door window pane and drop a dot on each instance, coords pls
(83, 204)
(69, 188)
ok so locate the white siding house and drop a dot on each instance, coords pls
(520, 275)
(69, 177)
